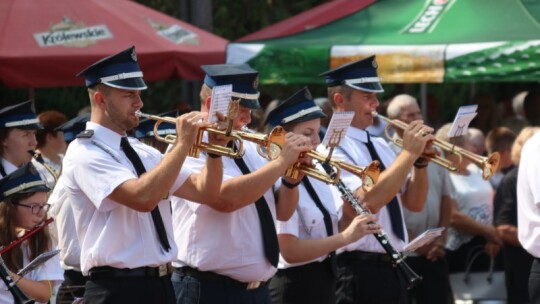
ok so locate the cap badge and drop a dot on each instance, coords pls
(256, 82)
(374, 64)
(307, 95)
(133, 55)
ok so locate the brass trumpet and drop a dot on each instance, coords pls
(269, 145)
(195, 150)
(488, 164)
(368, 174)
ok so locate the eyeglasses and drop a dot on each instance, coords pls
(36, 208)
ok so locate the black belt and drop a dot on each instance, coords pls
(366, 256)
(106, 272)
(212, 276)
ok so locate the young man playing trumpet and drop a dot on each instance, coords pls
(228, 248)
(363, 266)
(119, 189)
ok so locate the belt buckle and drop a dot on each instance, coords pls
(162, 270)
(253, 285)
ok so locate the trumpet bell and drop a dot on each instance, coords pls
(269, 145)
(490, 165)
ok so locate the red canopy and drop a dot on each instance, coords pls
(315, 17)
(45, 43)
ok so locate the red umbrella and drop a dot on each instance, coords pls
(44, 43)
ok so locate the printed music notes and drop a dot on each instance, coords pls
(221, 97)
(337, 128)
(462, 120)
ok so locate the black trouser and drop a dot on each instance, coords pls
(517, 266)
(534, 281)
(128, 286)
(435, 284)
(312, 283)
(369, 278)
(72, 286)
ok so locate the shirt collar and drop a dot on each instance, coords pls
(357, 134)
(8, 166)
(105, 135)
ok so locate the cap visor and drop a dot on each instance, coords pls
(373, 87)
(136, 83)
(29, 127)
(250, 103)
(38, 188)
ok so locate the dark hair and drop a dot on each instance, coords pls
(499, 139)
(37, 244)
(50, 120)
(531, 107)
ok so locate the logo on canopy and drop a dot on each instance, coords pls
(175, 33)
(427, 19)
(70, 34)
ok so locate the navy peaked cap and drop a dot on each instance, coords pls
(244, 80)
(119, 71)
(297, 108)
(73, 127)
(359, 75)
(21, 116)
(25, 179)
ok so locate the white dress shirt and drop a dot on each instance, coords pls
(8, 167)
(352, 149)
(111, 234)
(64, 223)
(229, 244)
(528, 195)
(307, 222)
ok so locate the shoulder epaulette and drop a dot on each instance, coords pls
(86, 134)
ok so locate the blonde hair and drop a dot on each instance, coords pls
(523, 136)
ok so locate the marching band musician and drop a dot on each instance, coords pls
(363, 266)
(72, 287)
(23, 196)
(228, 250)
(309, 239)
(51, 145)
(119, 189)
(18, 125)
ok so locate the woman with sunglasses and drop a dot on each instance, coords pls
(23, 207)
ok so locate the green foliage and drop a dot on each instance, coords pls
(235, 19)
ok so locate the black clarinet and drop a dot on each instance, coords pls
(398, 259)
(18, 296)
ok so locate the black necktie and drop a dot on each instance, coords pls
(270, 241)
(327, 220)
(393, 207)
(156, 216)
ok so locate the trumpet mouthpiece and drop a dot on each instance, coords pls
(141, 114)
(374, 114)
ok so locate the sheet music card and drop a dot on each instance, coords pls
(38, 261)
(462, 120)
(221, 97)
(425, 238)
(337, 128)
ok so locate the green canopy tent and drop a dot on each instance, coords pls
(416, 41)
